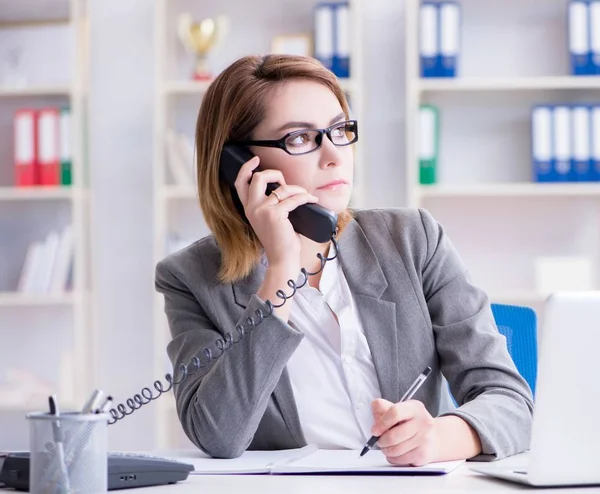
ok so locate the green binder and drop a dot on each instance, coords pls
(66, 154)
(428, 144)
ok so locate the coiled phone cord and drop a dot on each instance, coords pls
(147, 395)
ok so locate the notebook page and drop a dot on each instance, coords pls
(349, 461)
(251, 462)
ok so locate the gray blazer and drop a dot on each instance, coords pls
(418, 309)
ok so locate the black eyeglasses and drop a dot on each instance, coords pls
(308, 140)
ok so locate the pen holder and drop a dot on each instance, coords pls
(68, 453)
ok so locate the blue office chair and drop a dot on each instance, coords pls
(519, 326)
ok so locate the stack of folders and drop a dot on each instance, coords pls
(439, 39)
(566, 143)
(332, 36)
(48, 263)
(42, 149)
(181, 158)
(428, 144)
(584, 37)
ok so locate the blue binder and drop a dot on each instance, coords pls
(562, 143)
(595, 172)
(429, 39)
(541, 144)
(594, 30)
(449, 29)
(581, 128)
(579, 37)
(341, 45)
(324, 37)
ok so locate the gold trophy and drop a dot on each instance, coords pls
(200, 38)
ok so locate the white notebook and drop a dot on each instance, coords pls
(305, 460)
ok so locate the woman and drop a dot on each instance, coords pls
(330, 365)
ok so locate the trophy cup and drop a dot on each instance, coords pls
(200, 38)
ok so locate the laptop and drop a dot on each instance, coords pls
(565, 441)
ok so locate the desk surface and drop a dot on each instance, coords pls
(461, 480)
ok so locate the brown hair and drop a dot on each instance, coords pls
(232, 107)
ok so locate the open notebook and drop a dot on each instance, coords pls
(307, 460)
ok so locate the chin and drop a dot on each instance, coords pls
(337, 206)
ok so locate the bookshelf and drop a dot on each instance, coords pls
(44, 334)
(177, 100)
(498, 218)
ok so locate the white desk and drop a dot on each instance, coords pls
(460, 481)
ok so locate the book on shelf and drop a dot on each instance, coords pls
(48, 264)
(180, 158)
(42, 150)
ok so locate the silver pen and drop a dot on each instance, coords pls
(407, 396)
(58, 440)
(90, 404)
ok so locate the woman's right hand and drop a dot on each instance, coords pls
(268, 215)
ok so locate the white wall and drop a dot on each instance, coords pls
(120, 150)
(121, 172)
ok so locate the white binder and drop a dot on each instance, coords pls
(581, 138)
(562, 142)
(541, 143)
(429, 39)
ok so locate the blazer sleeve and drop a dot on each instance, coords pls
(494, 399)
(221, 404)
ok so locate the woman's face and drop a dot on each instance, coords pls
(327, 172)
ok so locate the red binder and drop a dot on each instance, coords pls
(25, 148)
(48, 142)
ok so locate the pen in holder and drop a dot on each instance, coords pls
(68, 453)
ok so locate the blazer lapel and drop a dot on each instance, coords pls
(283, 393)
(367, 283)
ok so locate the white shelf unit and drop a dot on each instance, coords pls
(176, 209)
(514, 54)
(46, 335)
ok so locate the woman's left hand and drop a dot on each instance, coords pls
(407, 432)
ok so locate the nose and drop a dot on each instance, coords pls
(331, 155)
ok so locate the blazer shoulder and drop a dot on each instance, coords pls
(403, 222)
(201, 258)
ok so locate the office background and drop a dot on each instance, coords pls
(127, 87)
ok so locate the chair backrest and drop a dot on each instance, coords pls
(519, 326)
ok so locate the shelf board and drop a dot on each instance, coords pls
(199, 87)
(36, 193)
(16, 299)
(41, 91)
(508, 84)
(179, 192)
(511, 190)
(32, 12)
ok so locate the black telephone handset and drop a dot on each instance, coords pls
(311, 220)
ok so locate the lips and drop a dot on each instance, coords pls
(334, 183)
